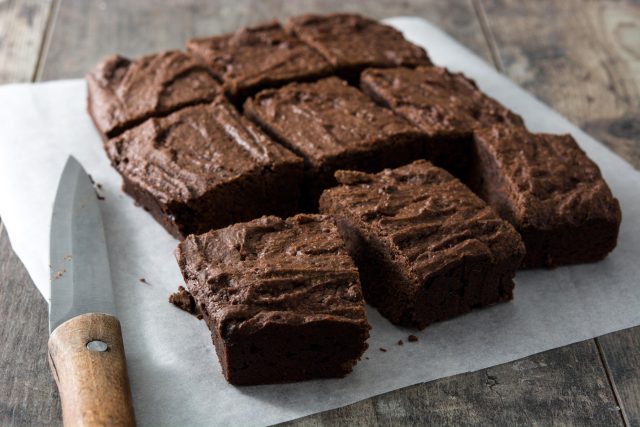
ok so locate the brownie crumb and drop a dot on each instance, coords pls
(366, 357)
(99, 196)
(400, 342)
(143, 280)
(183, 300)
(200, 316)
(412, 338)
(98, 186)
(382, 349)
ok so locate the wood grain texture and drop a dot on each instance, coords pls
(22, 27)
(93, 384)
(566, 386)
(28, 394)
(582, 57)
(86, 31)
(621, 354)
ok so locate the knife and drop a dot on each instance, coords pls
(86, 352)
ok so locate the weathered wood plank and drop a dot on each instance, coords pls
(29, 395)
(621, 353)
(566, 386)
(22, 27)
(580, 56)
(87, 31)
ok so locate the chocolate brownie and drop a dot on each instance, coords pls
(553, 194)
(334, 126)
(259, 57)
(123, 93)
(352, 42)
(183, 300)
(427, 248)
(205, 167)
(447, 106)
(282, 298)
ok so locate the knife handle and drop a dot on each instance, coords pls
(86, 355)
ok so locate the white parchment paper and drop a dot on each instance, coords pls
(174, 374)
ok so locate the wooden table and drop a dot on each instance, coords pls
(580, 56)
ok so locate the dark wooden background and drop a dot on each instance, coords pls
(580, 56)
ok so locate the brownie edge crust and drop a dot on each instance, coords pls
(282, 298)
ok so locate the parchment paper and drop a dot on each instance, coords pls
(174, 373)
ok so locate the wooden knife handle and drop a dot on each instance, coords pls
(86, 355)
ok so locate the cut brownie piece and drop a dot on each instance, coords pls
(259, 57)
(333, 126)
(206, 167)
(427, 248)
(122, 93)
(282, 298)
(553, 194)
(447, 106)
(352, 42)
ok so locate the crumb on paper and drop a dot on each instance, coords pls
(366, 357)
(183, 300)
(98, 186)
(58, 274)
(400, 342)
(412, 338)
(143, 280)
(382, 349)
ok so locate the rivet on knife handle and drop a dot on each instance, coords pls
(87, 358)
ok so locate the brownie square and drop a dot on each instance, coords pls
(552, 193)
(259, 57)
(427, 248)
(447, 106)
(282, 298)
(123, 93)
(205, 167)
(334, 126)
(352, 42)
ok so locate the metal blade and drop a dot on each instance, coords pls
(80, 273)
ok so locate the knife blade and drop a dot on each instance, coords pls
(86, 351)
(80, 272)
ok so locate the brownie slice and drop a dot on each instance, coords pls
(259, 57)
(282, 298)
(427, 248)
(352, 42)
(553, 194)
(447, 106)
(334, 126)
(205, 167)
(123, 93)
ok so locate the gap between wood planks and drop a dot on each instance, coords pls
(612, 384)
(497, 60)
(46, 40)
(488, 34)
